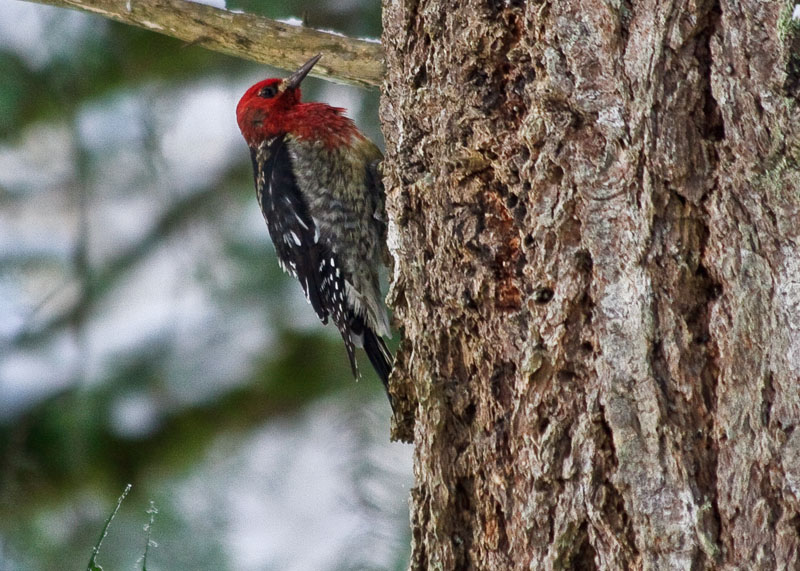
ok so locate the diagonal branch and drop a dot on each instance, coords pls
(347, 60)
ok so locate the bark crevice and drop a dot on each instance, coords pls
(605, 236)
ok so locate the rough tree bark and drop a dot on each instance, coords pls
(595, 212)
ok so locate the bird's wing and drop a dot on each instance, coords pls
(296, 237)
(291, 227)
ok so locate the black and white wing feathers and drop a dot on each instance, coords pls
(297, 241)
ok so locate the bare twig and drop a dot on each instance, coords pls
(347, 60)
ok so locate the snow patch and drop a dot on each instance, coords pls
(152, 25)
(213, 3)
(291, 21)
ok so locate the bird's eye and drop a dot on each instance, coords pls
(268, 92)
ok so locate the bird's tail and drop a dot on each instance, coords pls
(379, 355)
(357, 334)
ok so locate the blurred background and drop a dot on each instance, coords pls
(147, 335)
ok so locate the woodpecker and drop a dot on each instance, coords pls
(320, 190)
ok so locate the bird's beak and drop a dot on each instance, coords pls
(293, 81)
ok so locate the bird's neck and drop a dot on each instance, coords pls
(318, 121)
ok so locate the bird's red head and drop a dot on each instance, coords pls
(263, 111)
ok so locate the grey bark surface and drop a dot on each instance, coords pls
(595, 211)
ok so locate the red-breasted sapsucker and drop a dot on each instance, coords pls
(320, 190)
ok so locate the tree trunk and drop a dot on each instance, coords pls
(594, 215)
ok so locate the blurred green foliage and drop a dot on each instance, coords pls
(148, 336)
